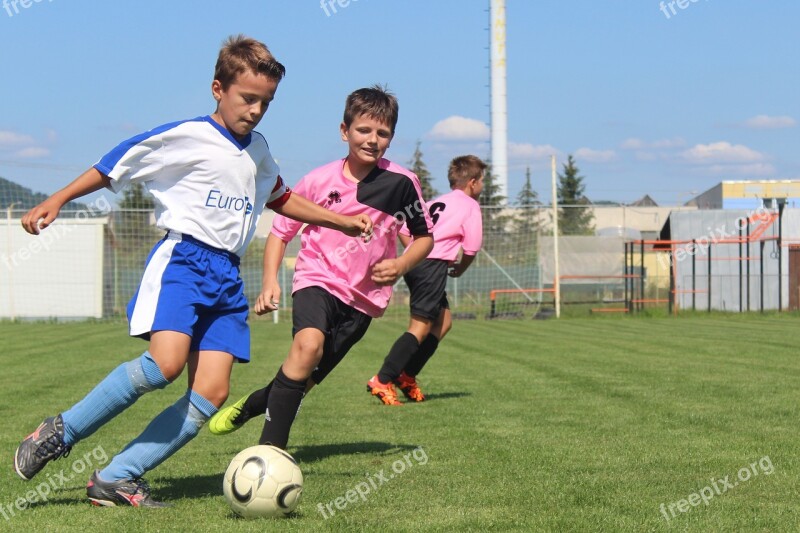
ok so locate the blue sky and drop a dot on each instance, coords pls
(648, 101)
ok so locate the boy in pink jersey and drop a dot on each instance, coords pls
(339, 284)
(456, 225)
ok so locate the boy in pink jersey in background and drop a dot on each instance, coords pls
(339, 284)
(457, 226)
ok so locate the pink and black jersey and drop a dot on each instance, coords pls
(457, 224)
(340, 264)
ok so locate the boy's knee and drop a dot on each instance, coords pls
(217, 398)
(171, 370)
(216, 393)
(307, 349)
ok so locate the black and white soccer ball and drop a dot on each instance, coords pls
(263, 481)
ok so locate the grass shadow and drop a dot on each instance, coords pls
(316, 452)
(445, 395)
(173, 488)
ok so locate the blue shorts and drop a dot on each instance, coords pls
(193, 288)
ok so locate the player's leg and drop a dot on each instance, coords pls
(427, 283)
(349, 328)
(116, 392)
(404, 347)
(345, 326)
(430, 344)
(173, 428)
(289, 384)
(163, 311)
(125, 384)
(255, 404)
(160, 365)
(314, 311)
(209, 374)
(219, 334)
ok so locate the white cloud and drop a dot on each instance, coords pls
(10, 138)
(721, 152)
(646, 156)
(675, 142)
(638, 144)
(766, 122)
(531, 151)
(632, 144)
(32, 152)
(749, 170)
(459, 129)
(595, 156)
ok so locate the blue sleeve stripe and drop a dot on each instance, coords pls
(110, 160)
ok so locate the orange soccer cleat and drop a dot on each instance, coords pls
(408, 384)
(384, 392)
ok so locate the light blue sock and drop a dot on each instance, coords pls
(118, 391)
(165, 435)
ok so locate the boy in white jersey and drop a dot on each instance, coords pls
(339, 284)
(456, 225)
(211, 178)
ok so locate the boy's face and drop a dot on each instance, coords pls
(475, 187)
(241, 106)
(367, 138)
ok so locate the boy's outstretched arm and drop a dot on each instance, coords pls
(456, 269)
(388, 271)
(270, 295)
(46, 212)
(304, 210)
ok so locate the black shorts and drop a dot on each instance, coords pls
(427, 283)
(343, 326)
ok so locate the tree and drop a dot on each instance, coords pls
(574, 215)
(492, 203)
(136, 197)
(419, 168)
(132, 222)
(527, 220)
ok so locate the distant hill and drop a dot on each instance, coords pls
(24, 198)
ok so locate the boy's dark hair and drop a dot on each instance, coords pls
(375, 102)
(239, 54)
(465, 168)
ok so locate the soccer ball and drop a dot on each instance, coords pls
(263, 481)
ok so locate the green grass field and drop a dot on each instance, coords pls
(575, 425)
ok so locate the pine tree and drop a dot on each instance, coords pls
(492, 203)
(132, 223)
(575, 217)
(419, 168)
(135, 197)
(527, 219)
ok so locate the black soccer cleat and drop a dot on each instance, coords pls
(45, 444)
(133, 492)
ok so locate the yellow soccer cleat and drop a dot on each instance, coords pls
(228, 419)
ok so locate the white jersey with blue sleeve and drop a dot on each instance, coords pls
(205, 182)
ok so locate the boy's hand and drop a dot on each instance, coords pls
(454, 272)
(268, 300)
(359, 226)
(387, 272)
(41, 216)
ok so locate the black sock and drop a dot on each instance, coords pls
(284, 401)
(425, 352)
(256, 404)
(399, 356)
